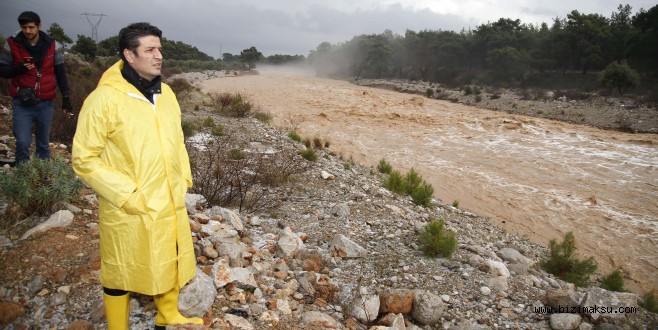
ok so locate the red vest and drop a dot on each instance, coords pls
(47, 84)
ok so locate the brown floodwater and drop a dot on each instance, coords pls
(535, 178)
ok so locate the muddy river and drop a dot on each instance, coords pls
(536, 178)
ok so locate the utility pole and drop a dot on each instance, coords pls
(94, 26)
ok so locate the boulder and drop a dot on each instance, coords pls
(428, 308)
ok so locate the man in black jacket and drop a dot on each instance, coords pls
(34, 62)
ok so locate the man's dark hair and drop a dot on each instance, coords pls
(28, 17)
(129, 36)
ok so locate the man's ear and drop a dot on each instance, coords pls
(128, 55)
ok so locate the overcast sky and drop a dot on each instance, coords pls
(289, 26)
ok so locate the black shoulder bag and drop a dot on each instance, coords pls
(28, 96)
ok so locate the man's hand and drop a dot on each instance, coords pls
(20, 68)
(66, 106)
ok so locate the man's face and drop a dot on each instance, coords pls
(147, 60)
(31, 30)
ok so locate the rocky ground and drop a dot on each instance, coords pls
(338, 252)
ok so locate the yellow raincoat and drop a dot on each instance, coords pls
(132, 153)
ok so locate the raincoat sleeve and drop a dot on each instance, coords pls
(89, 143)
(185, 165)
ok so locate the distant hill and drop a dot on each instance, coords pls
(173, 50)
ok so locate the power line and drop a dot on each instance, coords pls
(94, 26)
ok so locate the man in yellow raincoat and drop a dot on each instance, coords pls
(129, 148)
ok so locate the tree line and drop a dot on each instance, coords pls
(505, 52)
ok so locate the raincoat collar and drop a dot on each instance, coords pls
(146, 87)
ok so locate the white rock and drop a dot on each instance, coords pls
(485, 290)
(289, 243)
(238, 322)
(343, 247)
(327, 176)
(319, 320)
(62, 218)
(564, 321)
(496, 268)
(428, 308)
(365, 308)
(197, 296)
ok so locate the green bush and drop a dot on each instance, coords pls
(235, 154)
(412, 181)
(309, 154)
(240, 107)
(619, 76)
(38, 184)
(263, 117)
(429, 92)
(436, 241)
(562, 262)
(218, 131)
(455, 204)
(294, 136)
(384, 167)
(614, 281)
(395, 182)
(649, 302)
(422, 195)
(468, 90)
(188, 128)
(411, 184)
(478, 98)
(208, 122)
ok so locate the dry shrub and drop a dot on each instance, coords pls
(317, 143)
(232, 105)
(221, 101)
(181, 87)
(243, 182)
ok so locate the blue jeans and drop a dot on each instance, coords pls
(41, 115)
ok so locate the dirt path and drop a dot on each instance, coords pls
(533, 177)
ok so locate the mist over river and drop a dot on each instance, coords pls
(536, 178)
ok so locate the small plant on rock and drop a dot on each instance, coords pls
(422, 194)
(309, 154)
(208, 122)
(236, 154)
(189, 128)
(218, 131)
(562, 262)
(294, 136)
(395, 182)
(649, 302)
(614, 281)
(384, 167)
(436, 241)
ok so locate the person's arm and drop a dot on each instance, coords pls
(89, 142)
(184, 158)
(6, 60)
(62, 79)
